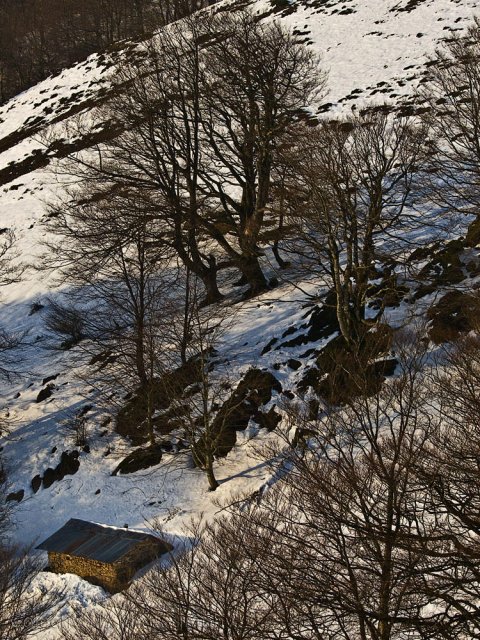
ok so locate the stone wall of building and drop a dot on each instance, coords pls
(111, 576)
(100, 573)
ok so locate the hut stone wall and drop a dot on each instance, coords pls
(111, 576)
(100, 573)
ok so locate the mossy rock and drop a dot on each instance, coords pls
(139, 459)
(254, 390)
(132, 418)
(473, 268)
(45, 393)
(294, 364)
(424, 290)
(310, 378)
(322, 323)
(36, 483)
(172, 418)
(422, 253)
(473, 234)
(446, 267)
(340, 375)
(388, 293)
(269, 420)
(455, 313)
(68, 466)
(375, 342)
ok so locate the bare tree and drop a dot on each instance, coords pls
(26, 607)
(450, 472)
(258, 81)
(198, 390)
(160, 152)
(368, 532)
(114, 619)
(209, 590)
(357, 178)
(202, 116)
(453, 97)
(111, 256)
(354, 511)
(11, 271)
(120, 303)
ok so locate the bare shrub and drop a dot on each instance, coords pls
(26, 607)
(65, 321)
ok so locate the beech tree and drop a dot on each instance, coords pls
(120, 289)
(11, 271)
(161, 150)
(340, 547)
(450, 472)
(210, 590)
(258, 80)
(201, 119)
(356, 180)
(452, 96)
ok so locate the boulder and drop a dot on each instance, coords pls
(142, 458)
(36, 483)
(68, 466)
(49, 477)
(455, 313)
(254, 390)
(45, 393)
(339, 376)
(16, 496)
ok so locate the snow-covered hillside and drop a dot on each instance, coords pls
(375, 51)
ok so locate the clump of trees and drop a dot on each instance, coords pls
(203, 117)
(156, 214)
(40, 37)
(452, 96)
(217, 161)
(373, 532)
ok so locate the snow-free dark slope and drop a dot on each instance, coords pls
(374, 51)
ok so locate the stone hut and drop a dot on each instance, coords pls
(103, 555)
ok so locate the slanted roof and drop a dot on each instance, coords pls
(97, 542)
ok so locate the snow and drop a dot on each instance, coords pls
(376, 52)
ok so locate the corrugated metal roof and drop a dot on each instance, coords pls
(98, 542)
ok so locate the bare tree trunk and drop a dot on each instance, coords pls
(140, 357)
(212, 292)
(150, 407)
(253, 274)
(212, 481)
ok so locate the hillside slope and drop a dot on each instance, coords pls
(374, 51)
